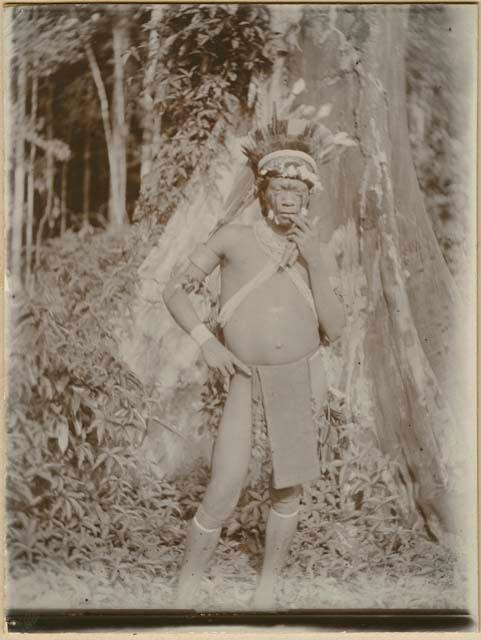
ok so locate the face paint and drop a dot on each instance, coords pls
(286, 197)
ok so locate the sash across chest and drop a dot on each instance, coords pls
(270, 269)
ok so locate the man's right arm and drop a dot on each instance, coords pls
(204, 259)
(176, 296)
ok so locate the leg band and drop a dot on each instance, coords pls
(203, 528)
(285, 502)
(285, 515)
(209, 522)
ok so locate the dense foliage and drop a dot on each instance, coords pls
(207, 61)
(76, 414)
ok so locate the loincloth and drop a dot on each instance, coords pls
(290, 395)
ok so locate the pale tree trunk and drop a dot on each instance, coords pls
(87, 154)
(399, 362)
(50, 171)
(118, 195)
(31, 180)
(401, 351)
(50, 179)
(17, 219)
(151, 118)
(63, 199)
(114, 120)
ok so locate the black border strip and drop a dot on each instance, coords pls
(41, 620)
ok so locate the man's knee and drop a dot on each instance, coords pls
(286, 501)
(217, 506)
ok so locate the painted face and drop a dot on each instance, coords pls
(286, 197)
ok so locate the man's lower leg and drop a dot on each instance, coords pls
(280, 531)
(200, 546)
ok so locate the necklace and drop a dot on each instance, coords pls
(270, 242)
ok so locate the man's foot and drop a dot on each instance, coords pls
(185, 598)
(264, 599)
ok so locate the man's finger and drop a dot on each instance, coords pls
(301, 223)
(295, 255)
(288, 253)
(299, 235)
(285, 255)
(241, 366)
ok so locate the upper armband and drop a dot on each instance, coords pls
(204, 258)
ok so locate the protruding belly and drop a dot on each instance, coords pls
(273, 325)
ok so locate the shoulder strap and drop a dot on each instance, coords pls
(231, 305)
(263, 276)
(302, 287)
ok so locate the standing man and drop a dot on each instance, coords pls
(276, 303)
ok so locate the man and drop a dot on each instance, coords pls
(276, 301)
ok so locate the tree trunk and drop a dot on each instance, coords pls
(115, 126)
(86, 180)
(401, 343)
(63, 198)
(31, 180)
(17, 220)
(399, 362)
(50, 171)
(150, 121)
(118, 194)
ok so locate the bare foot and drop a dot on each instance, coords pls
(264, 599)
(186, 596)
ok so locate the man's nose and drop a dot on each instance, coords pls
(288, 198)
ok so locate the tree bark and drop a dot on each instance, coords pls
(50, 170)
(19, 177)
(31, 179)
(118, 196)
(400, 362)
(63, 199)
(114, 125)
(151, 120)
(402, 341)
(86, 179)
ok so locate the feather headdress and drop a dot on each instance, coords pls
(293, 148)
(287, 148)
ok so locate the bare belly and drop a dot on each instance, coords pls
(273, 325)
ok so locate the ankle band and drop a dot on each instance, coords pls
(285, 515)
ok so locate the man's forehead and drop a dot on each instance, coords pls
(293, 183)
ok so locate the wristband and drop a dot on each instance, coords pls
(200, 334)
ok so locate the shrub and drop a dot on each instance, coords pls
(75, 411)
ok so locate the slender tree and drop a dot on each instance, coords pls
(150, 98)
(18, 212)
(31, 175)
(114, 111)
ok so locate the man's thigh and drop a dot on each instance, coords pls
(230, 460)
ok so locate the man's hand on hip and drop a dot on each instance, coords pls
(221, 359)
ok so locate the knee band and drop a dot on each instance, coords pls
(207, 521)
(285, 502)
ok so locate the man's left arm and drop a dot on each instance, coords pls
(330, 310)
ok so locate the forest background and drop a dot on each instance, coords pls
(114, 113)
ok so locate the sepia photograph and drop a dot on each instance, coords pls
(240, 314)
